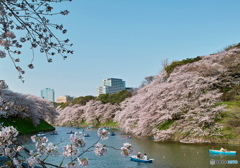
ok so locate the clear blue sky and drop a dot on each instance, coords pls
(127, 39)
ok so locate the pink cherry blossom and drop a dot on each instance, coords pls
(103, 133)
(100, 149)
(83, 162)
(77, 139)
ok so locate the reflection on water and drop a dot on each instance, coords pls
(165, 155)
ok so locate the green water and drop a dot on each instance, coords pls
(165, 155)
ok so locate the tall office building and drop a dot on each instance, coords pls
(110, 86)
(48, 94)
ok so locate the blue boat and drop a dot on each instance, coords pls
(136, 159)
(112, 134)
(222, 152)
(54, 133)
(71, 132)
(86, 135)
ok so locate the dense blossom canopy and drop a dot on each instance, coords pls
(14, 104)
(93, 112)
(185, 99)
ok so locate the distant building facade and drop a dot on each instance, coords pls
(110, 86)
(64, 99)
(48, 94)
(129, 89)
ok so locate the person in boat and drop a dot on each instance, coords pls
(223, 149)
(139, 155)
(145, 156)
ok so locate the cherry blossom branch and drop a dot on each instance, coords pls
(12, 148)
(37, 27)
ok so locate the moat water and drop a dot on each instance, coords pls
(165, 155)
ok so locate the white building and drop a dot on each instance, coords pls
(64, 99)
(110, 86)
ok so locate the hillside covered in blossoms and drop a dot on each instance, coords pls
(192, 101)
(18, 105)
(182, 104)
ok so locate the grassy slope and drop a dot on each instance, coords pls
(109, 124)
(230, 120)
(25, 126)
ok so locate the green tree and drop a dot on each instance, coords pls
(115, 98)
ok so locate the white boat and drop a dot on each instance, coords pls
(40, 134)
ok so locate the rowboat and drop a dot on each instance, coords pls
(128, 137)
(86, 135)
(71, 132)
(54, 133)
(112, 134)
(136, 159)
(222, 152)
(40, 134)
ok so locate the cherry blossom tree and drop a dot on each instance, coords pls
(19, 105)
(17, 154)
(93, 112)
(185, 98)
(26, 23)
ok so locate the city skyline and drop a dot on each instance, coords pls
(127, 40)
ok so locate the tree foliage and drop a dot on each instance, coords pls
(25, 22)
(174, 64)
(232, 47)
(115, 98)
(147, 80)
(82, 100)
